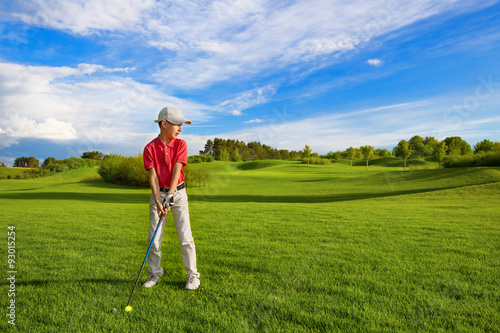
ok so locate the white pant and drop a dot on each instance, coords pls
(183, 226)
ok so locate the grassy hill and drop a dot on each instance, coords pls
(282, 246)
(12, 173)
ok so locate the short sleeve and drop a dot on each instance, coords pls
(147, 157)
(182, 153)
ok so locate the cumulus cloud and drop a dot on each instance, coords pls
(16, 127)
(203, 43)
(65, 103)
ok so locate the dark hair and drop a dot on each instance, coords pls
(159, 123)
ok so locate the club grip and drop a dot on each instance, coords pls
(168, 204)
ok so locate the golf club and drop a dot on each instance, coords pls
(162, 217)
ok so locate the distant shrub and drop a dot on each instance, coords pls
(124, 170)
(197, 176)
(50, 167)
(317, 160)
(9, 174)
(481, 159)
(130, 171)
(200, 158)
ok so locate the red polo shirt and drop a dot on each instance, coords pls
(163, 157)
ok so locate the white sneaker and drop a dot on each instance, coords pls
(153, 279)
(193, 282)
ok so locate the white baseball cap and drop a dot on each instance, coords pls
(172, 115)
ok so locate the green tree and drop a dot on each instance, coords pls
(217, 146)
(235, 155)
(403, 150)
(382, 152)
(457, 146)
(351, 152)
(26, 162)
(367, 152)
(284, 154)
(48, 161)
(94, 155)
(417, 146)
(484, 146)
(256, 150)
(209, 149)
(429, 143)
(440, 152)
(453, 147)
(223, 155)
(307, 153)
(358, 155)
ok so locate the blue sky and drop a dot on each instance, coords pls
(92, 75)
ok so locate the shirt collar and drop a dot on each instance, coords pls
(170, 144)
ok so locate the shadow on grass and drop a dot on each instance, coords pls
(77, 196)
(58, 281)
(178, 283)
(306, 198)
(425, 182)
(132, 198)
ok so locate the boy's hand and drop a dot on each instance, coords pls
(160, 209)
(165, 205)
(168, 201)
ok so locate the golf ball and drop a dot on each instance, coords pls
(128, 308)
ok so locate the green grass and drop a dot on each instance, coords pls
(282, 246)
(12, 173)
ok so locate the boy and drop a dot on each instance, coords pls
(164, 158)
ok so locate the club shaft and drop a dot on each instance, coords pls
(145, 258)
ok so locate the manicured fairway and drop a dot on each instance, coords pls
(281, 246)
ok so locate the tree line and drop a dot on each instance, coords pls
(416, 147)
(32, 162)
(51, 166)
(236, 151)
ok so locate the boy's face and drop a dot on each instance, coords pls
(171, 130)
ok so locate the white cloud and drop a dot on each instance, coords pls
(50, 128)
(248, 99)
(92, 68)
(254, 121)
(63, 103)
(265, 37)
(219, 40)
(205, 43)
(84, 16)
(375, 62)
(381, 126)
